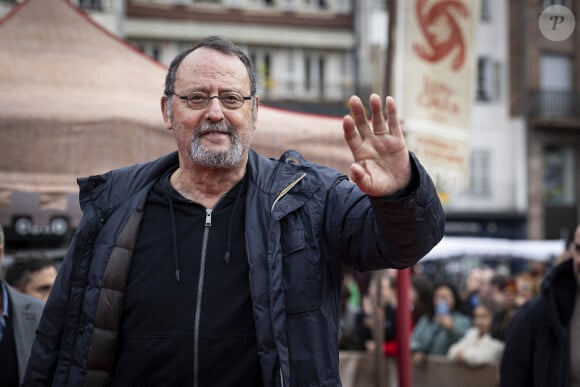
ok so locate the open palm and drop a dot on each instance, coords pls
(381, 164)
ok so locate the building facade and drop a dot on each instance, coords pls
(546, 91)
(304, 51)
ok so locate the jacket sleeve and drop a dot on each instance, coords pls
(46, 348)
(396, 231)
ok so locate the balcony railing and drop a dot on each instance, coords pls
(554, 104)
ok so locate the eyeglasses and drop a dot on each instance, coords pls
(577, 247)
(230, 100)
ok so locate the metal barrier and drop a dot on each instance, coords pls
(357, 369)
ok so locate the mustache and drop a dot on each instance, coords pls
(214, 127)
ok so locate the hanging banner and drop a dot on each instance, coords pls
(438, 86)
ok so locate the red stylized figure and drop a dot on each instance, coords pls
(440, 16)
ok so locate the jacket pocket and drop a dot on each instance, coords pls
(302, 284)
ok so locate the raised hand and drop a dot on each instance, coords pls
(381, 164)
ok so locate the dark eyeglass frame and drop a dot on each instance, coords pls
(222, 97)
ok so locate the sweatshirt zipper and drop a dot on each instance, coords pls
(208, 212)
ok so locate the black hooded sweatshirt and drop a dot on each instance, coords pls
(187, 317)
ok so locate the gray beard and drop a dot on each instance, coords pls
(212, 159)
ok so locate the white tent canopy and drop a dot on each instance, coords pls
(538, 250)
(78, 101)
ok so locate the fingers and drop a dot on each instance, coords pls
(358, 114)
(357, 127)
(351, 136)
(377, 124)
(392, 117)
(378, 120)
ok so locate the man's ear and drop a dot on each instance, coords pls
(166, 118)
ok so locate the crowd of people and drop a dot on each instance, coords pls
(473, 320)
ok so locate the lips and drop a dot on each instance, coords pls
(209, 129)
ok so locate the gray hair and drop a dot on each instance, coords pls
(219, 44)
(216, 43)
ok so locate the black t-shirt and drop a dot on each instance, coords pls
(158, 339)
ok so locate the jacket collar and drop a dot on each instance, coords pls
(276, 178)
(559, 287)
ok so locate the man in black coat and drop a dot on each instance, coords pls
(543, 340)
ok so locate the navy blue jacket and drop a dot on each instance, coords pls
(303, 222)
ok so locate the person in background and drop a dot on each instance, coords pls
(421, 297)
(379, 307)
(525, 288)
(503, 306)
(19, 316)
(543, 340)
(32, 275)
(217, 266)
(470, 291)
(477, 288)
(477, 346)
(434, 334)
(350, 308)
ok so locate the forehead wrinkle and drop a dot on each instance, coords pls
(206, 69)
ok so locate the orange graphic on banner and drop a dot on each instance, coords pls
(441, 31)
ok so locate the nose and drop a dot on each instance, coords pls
(214, 109)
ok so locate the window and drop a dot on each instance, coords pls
(307, 74)
(487, 80)
(547, 3)
(321, 76)
(91, 4)
(486, 10)
(559, 175)
(150, 49)
(267, 71)
(556, 84)
(479, 173)
(262, 60)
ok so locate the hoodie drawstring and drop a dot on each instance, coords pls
(174, 232)
(175, 252)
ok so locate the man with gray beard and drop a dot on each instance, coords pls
(543, 340)
(216, 266)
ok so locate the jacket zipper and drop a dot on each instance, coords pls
(208, 212)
